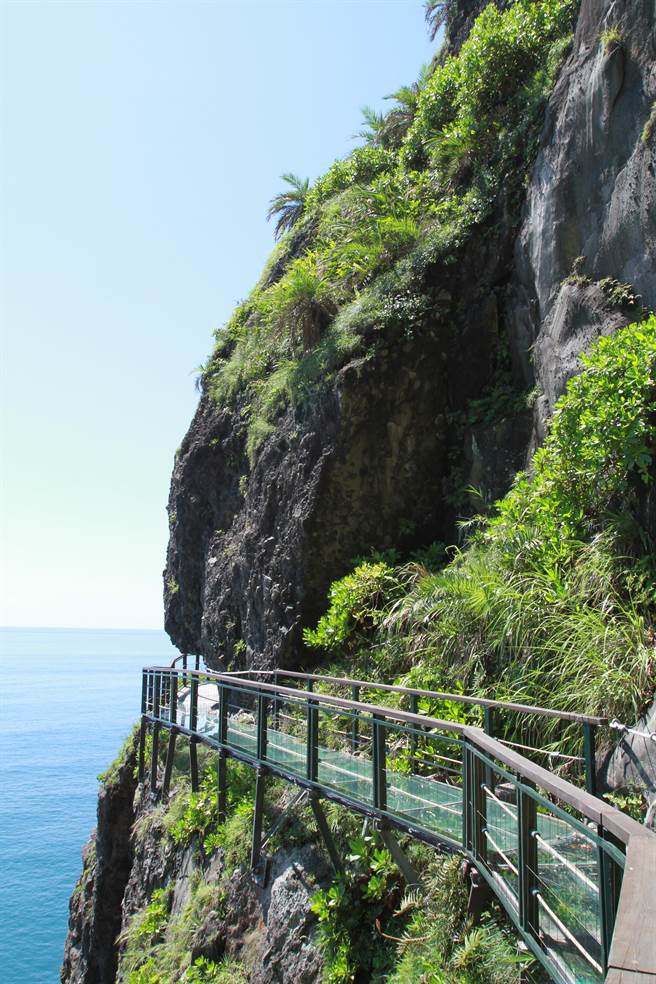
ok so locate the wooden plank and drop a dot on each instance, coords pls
(634, 939)
(616, 976)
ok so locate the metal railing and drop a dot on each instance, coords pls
(495, 714)
(554, 855)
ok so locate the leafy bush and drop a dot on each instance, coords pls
(360, 898)
(145, 931)
(357, 602)
(157, 944)
(110, 776)
(360, 167)
(462, 103)
(195, 815)
(439, 945)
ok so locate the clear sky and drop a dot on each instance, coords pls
(140, 145)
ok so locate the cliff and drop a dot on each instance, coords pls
(380, 454)
(512, 226)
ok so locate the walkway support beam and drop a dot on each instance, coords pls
(399, 855)
(170, 756)
(324, 830)
(258, 815)
(155, 752)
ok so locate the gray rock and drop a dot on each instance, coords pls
(632, 764)
(90, 956)
(592, 195)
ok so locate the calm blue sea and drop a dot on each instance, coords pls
(68, 698)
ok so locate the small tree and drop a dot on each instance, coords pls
(436, 13)
(288, 206)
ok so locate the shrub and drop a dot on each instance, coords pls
(360, 898)
(360, 167)
(357, 602)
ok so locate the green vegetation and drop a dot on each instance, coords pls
(351, 911)
(288, 206)
(552, 600)
(611, 39)
(156, 945)
(437, 14)
(352, 266)
(439, 945)
(110, 776)
(194, 816)
(370, 929)
(650, 126)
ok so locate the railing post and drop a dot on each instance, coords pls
(607, 898)
(488, 728)
(155, 751)
(276, 702)
(467, 801)
(150, 691)
(223, 715)
(355, 721)
(173, 694)
(262, 705)
(184, 669)
(527, 817)
(144, 690)
(589, 755)
(312, 747)
(193, 724)
(478, 809)
(379, 764)
(414, 708)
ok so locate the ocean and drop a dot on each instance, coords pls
(69, 697)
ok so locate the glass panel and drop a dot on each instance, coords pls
(287, 735)
(568, 887)
(501, 831)
(424, 780)
(340, 769)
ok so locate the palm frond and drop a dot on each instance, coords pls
(288, 206)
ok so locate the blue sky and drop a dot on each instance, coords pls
(140, 145)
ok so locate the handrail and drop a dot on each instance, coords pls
(507, 844)
(433, 694)
(588, 722)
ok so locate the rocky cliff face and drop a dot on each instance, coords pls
(375, 464)
(591, 205)
(265, 925)
(382, 455)
(90, 955)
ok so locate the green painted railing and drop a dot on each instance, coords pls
(554, 855)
